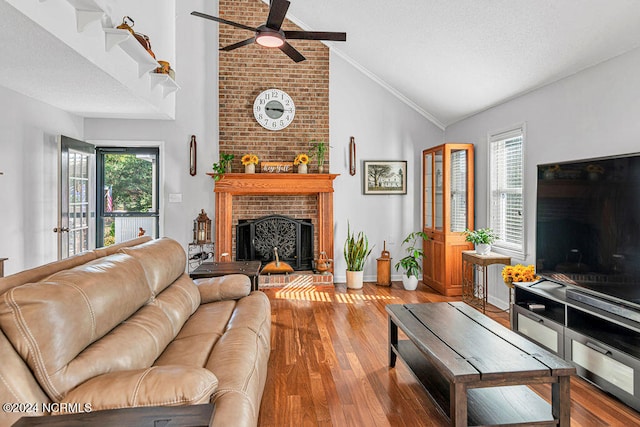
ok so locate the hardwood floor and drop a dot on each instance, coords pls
(328, 365)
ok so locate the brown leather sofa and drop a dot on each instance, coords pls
(124, 326)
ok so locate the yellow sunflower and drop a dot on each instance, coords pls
(301, 158)
(248, 159)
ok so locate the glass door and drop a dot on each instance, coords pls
(128, 184)
(428, 190)
(76, 197)
(458, 208)
(439, 190)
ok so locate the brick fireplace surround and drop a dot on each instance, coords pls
(269, 185)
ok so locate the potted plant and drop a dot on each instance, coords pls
(411, 263)
(356, 251)
(482, 239)
(320, 148)
(222, 166)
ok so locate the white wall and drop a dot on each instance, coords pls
(196, 114)
(384, 128)
(28, 188)
(590, 114)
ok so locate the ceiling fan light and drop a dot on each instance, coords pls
(270, 40)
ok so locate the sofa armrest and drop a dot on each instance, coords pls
(167, 385)
(231, 286)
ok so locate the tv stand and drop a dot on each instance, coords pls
(604, 303)
(598, 335)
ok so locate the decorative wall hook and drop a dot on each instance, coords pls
(193, 156)
(352, 156)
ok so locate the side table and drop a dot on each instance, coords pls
(216, 269)
(476, 293)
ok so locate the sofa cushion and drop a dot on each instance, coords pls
(200, 333)
(17, 384)
(155, 386)
(39, 273)
(163, 261)
(112, 249)
(231, 286)
(50, 322)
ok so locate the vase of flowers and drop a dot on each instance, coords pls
(249, 161)
(301, 162)
(518, 273)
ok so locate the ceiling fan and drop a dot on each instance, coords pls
(269, 34)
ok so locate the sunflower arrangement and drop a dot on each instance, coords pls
(301, 158)
(249, 159)
(518, 273)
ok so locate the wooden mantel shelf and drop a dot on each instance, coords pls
(244, 184)
(274, 183)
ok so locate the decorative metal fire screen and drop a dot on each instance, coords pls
(256, 238)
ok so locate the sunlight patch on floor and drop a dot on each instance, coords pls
(303, 289)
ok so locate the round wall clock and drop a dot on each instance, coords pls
(274, 109)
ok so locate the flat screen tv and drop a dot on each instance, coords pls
(588, 226)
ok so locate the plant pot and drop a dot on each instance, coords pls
(302, 168)
(410, 283)
(250, 168)
(320, 168)
(354, 279)
(483, 248)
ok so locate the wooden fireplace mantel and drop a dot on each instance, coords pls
(241, 184)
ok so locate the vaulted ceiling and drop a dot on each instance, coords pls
(448, 59)
(453, 58)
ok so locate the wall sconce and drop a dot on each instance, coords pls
(193, 156)
(202, 229)
(352, 156)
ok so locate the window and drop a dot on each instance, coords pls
(506, 183)
(127, 181)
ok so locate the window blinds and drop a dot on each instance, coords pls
(506, 188)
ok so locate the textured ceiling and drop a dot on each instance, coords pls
(454, 58)
(37, 64)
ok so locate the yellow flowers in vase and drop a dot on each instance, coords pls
(301, 161)
(518, 273)
(249, 161)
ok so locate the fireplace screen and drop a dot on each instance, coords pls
(256, 239)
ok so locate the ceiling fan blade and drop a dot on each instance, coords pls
(239, 44)
(223, 21)
(292, 52)
(277, 12)
(315, 35)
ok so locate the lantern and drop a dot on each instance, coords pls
(202, 229)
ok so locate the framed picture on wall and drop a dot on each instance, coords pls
(384, 177)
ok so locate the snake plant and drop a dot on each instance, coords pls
(356, 250)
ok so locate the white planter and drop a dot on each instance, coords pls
(354, 279)
(250, 168)
(409, 283)
(483, 248)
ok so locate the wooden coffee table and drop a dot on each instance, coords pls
(475, 369)
(216, 269)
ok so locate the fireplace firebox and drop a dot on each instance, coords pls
(256, 239)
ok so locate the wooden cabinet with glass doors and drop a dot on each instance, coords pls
(447, 184)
